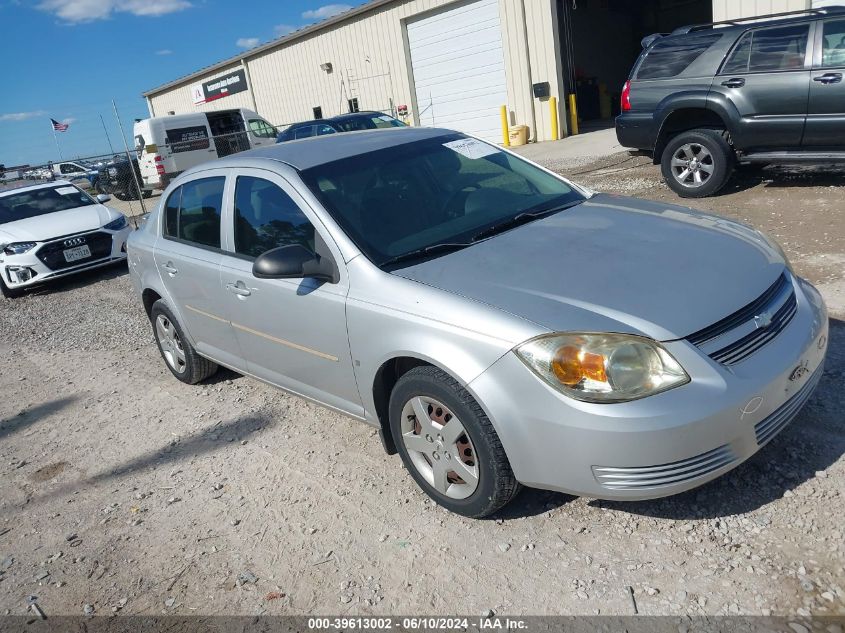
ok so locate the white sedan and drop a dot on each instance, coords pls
(55, 229)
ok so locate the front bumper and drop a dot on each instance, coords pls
(28, 269)
(666, 443)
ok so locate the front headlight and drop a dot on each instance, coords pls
(116, 225)
(18, 248)
(602, 367)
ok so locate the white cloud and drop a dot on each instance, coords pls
(68, 120)
(164, 51)
(284, 29)
(76, 11)
(21, 116)
(247, 42)
(326, 11)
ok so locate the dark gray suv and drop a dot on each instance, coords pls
(705, 98)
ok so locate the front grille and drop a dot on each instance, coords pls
(778, 301)
(664, 475)
(776, 422)
(52, 254)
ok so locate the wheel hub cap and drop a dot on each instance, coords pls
(170, 344)
(692, 165)
(439, 447)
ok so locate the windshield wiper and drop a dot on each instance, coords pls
(420, 253)
(522, 218)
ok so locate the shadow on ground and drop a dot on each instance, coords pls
(208, 440)
(30, 416)
(812, 442)
(786, 176)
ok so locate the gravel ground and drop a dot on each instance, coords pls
(125, 491)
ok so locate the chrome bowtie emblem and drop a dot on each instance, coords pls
(74, 241)
(763, 320)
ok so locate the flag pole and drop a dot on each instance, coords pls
(107, 134)
(56, 138)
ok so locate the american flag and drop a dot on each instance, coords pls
(59, 127)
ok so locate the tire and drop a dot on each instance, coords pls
(148, 193)
(8, 292)
(177, 352)
(450, 455)
(710, 156)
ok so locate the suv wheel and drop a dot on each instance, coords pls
(698, 163)
(449, 445)
(179, 355)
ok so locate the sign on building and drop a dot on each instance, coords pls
(219, 87)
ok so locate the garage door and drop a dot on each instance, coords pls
(459, 69)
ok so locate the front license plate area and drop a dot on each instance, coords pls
(77, 253)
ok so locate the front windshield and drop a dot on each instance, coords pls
(35, 202)
(443, 190)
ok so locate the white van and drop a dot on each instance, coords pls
(168, 145)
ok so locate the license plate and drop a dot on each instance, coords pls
(75, 254)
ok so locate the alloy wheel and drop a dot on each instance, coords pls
(439, 447)
(171, 344)
(692, 165)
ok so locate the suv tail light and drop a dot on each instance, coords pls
(626, 97)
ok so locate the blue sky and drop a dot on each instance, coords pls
(67, 59)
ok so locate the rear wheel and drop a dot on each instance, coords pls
(698, 163)
(179, 355)
(449, 445)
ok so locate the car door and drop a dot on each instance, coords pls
(767, 78)
(188, 258)
(826, 112)
(292, 331)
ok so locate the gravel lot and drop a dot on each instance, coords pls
(123, 490)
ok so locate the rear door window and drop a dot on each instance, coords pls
(738, 60)
(671, 56)
(192, 212)
(304, 132)
(782, 48)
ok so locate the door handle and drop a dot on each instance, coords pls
(239, 289)
(829, 78)
(169, 268)
(737, 82)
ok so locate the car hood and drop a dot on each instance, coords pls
(614, 264)
(51, 225)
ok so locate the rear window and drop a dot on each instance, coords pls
(671, 56)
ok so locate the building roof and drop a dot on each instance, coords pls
(319, 150)
(280, 41)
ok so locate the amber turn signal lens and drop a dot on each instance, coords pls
(571, 365)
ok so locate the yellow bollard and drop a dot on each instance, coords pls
(573, 115)
(553, 115)
(505, 135)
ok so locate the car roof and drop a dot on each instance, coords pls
(339, 117)
(319, 150)
(19, 187)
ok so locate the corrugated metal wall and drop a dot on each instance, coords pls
(368, 53)
(730, 9)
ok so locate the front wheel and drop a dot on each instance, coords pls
(7, 292)
(179, 355)
(449, 445)
(698, 163)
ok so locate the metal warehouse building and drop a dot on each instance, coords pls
(451, 63)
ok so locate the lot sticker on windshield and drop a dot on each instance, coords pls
(471, 148)
(66, 191)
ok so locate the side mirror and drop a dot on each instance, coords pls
(102, 198)
(294, 262)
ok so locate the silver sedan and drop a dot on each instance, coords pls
(498, 324)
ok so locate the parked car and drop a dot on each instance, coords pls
(168, 145)
(55, 229)
(115, 177)
(498, 324)
(72, 170)
(759, 91)
(354, 122)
